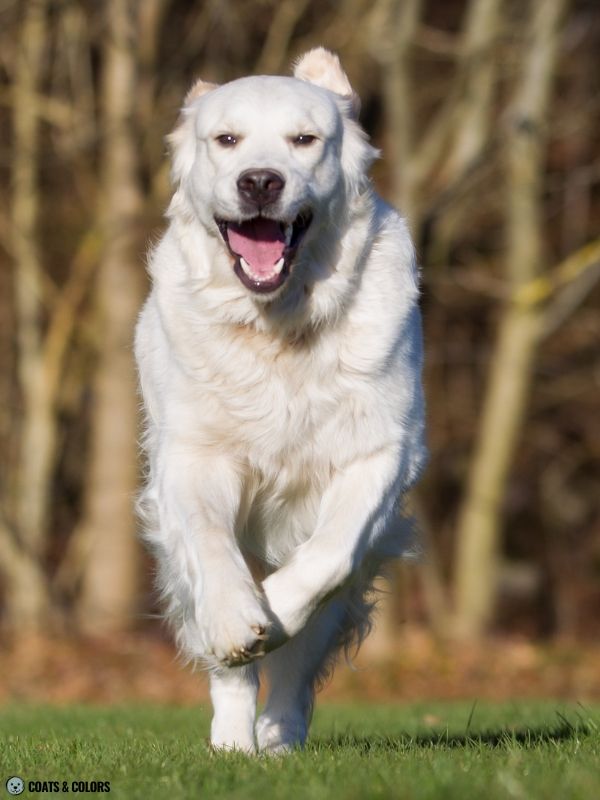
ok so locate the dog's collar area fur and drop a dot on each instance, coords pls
(264, 249)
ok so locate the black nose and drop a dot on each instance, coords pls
(260, 186)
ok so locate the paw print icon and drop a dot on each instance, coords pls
(15, 785)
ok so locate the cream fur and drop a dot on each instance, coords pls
(281, 430)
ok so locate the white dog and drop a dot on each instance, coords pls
(280, 356)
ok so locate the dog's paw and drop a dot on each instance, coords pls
(253, 647)
(281, 735)
(235, 631)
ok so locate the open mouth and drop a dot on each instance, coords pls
(264, 249)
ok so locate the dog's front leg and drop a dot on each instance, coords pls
(354, 511)
(214, 601)
(233, 691)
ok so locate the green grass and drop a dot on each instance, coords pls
(437, 750)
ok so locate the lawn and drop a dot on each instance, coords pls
(516, 750)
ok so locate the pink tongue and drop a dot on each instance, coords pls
(259, 241)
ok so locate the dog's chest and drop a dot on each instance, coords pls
(278, 397)
(283, 410)
(291, 415)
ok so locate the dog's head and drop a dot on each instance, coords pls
(266, 164)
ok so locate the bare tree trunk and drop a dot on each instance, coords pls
(511, 369)
(477, 79)
(455, 139)
(285, 17)
(27, 599)
(394, 29)
(151, 17)
(109, 592)
(469, 120)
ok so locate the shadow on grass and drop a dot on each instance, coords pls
(525, 738)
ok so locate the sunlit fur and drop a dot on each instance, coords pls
(281, 430)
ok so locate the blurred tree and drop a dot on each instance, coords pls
(109, 594)
(512, 362)
(23, 546)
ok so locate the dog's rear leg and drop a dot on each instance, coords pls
(233, 693)
(293, 670)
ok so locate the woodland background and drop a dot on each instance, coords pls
(487, 113)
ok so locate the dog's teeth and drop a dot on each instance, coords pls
(275, 271)
(246, 267)
(289, 230)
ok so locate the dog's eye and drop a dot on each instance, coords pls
(304, 139)
(227, 140)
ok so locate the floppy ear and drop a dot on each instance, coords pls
(181, 140)
(323, 68)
